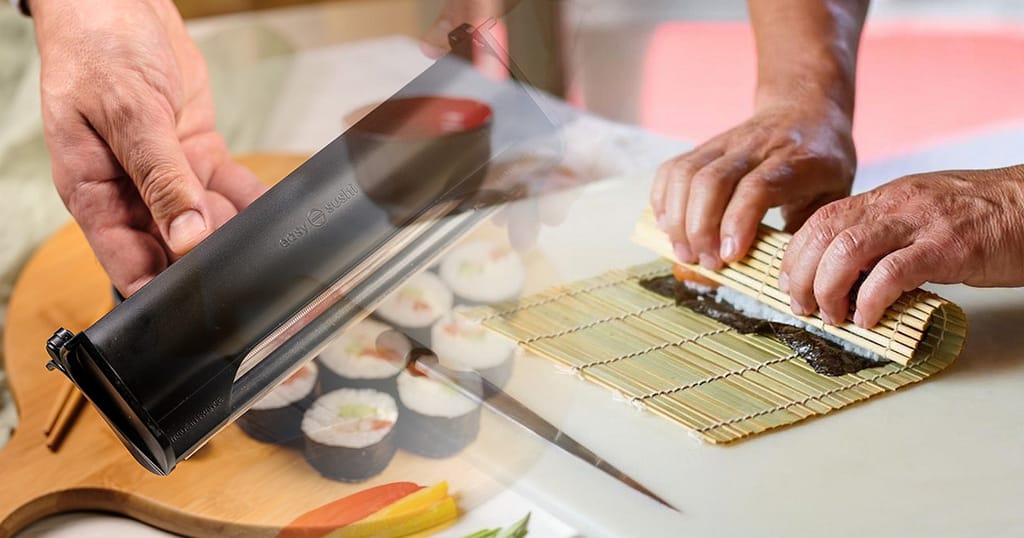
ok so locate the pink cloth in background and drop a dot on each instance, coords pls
(919, 83)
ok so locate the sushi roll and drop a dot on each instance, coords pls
(360, 358)
(463, 345)
(415, 306)
(435, 419)
(350, 434)
(277, 417)
(483, 272)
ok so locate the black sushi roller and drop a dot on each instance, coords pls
(194, 349)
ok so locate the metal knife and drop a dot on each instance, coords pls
(469, 383)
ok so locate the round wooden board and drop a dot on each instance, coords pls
(234, 486)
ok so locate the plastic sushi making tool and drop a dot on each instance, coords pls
(186, 355)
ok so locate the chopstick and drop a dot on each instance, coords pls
(62, 400)
(65, 411)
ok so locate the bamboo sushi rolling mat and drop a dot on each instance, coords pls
(703, 375)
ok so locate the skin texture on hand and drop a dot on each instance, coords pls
(710, 200)
(129, 122)
(795, 152)
(943, 227)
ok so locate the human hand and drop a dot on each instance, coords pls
(129, 122)
(943, 227)
(797, 154)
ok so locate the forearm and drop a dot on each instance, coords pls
(807, 49)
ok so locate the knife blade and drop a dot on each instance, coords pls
(498, 401)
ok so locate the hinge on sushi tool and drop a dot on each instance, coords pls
(55, 346)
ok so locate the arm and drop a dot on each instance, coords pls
(796, 151)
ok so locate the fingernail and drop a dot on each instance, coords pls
(663, 222)
(827, 318)
(708, 261)
(858, 319)
(683, 253)
(186, 230)
(784, 282)
(728, 248)
(797, 308)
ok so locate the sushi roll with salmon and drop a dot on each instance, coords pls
(350, 434)
(416, 305)
(435, 419)
(277, 417)
(483, 272)
(361, 358)
(466, 346)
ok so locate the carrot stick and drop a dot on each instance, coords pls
(346, 510)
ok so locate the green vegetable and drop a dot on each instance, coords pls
(518, 529)
(484, 533)
(357, 411)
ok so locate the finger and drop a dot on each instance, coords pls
(677, 192)
(710, 190)
(901, 271)
(657, 196)
(523, 224)
(750, 201)
(117, 225)
(854, 250)
(209, 159)
(553, 208)
(142, 136)
(805, 249)
(237, 184)
(796, 214)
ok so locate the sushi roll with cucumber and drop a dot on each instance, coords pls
(435, 419)
(361, 358)
(416, 305)
(483, 272)
(350, 434)
(277, 417)
(463, 345)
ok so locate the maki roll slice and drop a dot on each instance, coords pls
(466, 346)
(435, 419)
(350, 434)
(361, 358)
(414, 307)
(277, 417)
(483, 272)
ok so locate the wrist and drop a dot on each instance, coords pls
(822, 92)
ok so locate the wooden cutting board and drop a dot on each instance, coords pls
(232, 487)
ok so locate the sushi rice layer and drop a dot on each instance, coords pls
(463, 345)
(359, 354)
(291, 391)
(484, 272)
(432, 398)
(352, 418)
(418, 303)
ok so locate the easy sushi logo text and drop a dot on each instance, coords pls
(317, 217)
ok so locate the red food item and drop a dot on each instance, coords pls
(347, 510)
(299, 374)
(682, 274)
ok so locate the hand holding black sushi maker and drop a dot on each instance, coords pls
(194, 349)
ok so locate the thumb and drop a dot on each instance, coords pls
(148, 149)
